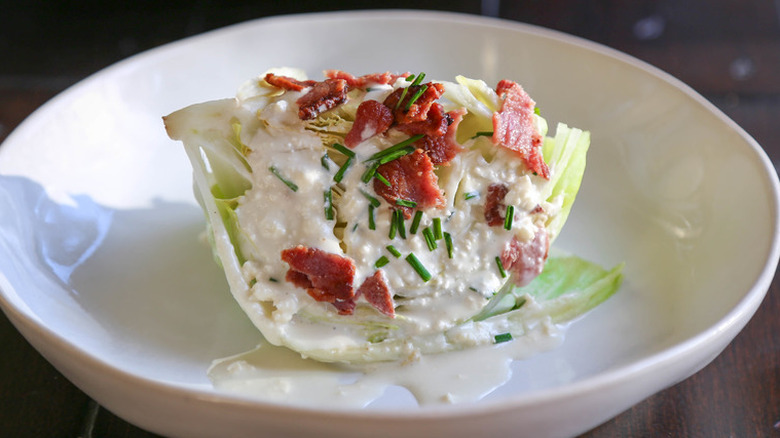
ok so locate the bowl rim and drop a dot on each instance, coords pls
(728, 326)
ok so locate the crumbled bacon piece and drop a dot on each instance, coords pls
(514, 127)
(494, 204)
(441, 148)
(371, 118)
(363, 81)
(326, 276)
(287, 82)
(411, 178)
(377, 293)
(525, 260)
(323, 96)
(418, 111)
(435, 123)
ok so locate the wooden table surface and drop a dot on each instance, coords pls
(729, 51)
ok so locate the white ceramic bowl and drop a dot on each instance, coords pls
(101, 269)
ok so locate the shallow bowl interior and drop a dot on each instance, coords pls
(101, 267)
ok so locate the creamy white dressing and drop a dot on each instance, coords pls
(285, 207)
(277, 374)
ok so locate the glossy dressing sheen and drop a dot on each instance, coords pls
(280, 375)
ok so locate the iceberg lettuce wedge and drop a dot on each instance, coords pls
(250, 155)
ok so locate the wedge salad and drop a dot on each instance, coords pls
(378, 217)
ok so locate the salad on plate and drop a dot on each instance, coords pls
(384, 216)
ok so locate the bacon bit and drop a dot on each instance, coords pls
(418, 111)
(411, 177)
(371, 118)
(327, 277)
(434, 125)
(443, 148)
(513, 127)
(526, 259)
(377, 293)
(494, 204)
(365, 80)
(323, 96)
(287, 82)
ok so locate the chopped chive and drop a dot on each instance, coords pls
(393, 251)
(273, 280)
(416, 96)
(417, 266)
(371, 199)
(474, 289)
(537, 111)
(415, 80)
(382, 179)
(371, 223)
(393, 227)
(405, 203)
(429, 240)
(396, 147)
(437, 228)
(399, 218)
(370, 172)
(288, 183)
(448, 243)
(343, 149)
(401, 99)
(503, 337)
(500, 267)
(510, 217)
(340, 174)
(324, 161)
(415, 222)
(354, 227)
(483, 134)
(328, 205)
(381, 261)
(396, 155)
(470, 195)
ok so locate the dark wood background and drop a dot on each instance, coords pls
(728, 50)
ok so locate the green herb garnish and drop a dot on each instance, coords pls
(416, 96)
(416, 222)
(405, 203)
(395, 148)
(429, 239)
(418, 267)
(329, 205)
(437, 234)
(324, 161)
(448, 243)
(382, 179)
(371, 223)
(483, 134)
(370, 172)
(393, 251)
(288, 183)
(382, 261)
(470, 195)
(500, 267)
(344, 150)
(510, 217)
(371, 199)
(399, 219)
(340, 174)
(503, 337)
(393, 227)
